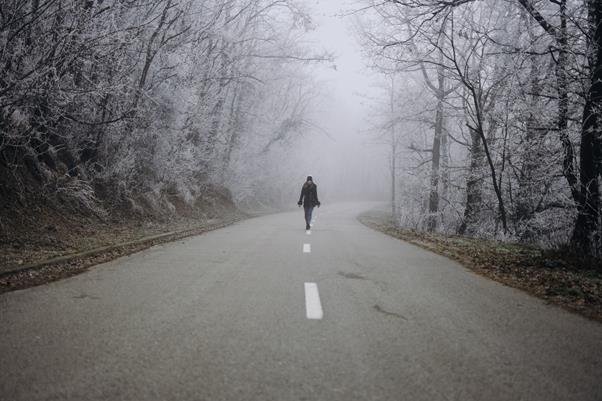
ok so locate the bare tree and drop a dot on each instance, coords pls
(501, 55)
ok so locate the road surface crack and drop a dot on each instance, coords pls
(83, 295)
(388, 313)
(353, 276)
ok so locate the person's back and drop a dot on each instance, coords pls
(309, 199)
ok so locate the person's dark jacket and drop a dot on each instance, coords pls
(309, 195)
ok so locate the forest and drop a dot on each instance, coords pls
(125, 104)
(491, 111)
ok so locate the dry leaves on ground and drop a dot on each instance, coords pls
(562, 278)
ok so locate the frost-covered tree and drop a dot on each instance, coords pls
(133, 102)
(522, 110)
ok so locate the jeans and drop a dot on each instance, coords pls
(308, 212)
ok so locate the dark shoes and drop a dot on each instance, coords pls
(307, 227)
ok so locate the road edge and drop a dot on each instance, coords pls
(61, 267)
(590, 311)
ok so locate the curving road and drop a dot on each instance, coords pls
(249, 312)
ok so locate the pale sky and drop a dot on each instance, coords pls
(346, 158)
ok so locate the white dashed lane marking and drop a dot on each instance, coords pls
(306, 248)
(313, 307)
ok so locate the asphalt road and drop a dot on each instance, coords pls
(224, 316)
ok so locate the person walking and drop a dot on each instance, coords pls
(309, 199)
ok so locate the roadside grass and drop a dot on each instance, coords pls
(561, 276)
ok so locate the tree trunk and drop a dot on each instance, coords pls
(150, 54)
(393, 166)
(444, 168)
(393, 182)
(585, 234)
(473, 186)
(216, 113)
(568, 168)
(436, 155)
(234, 126)
(525, 206)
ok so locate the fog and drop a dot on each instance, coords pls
(169, 141)
(475, 111)
(343, 156)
